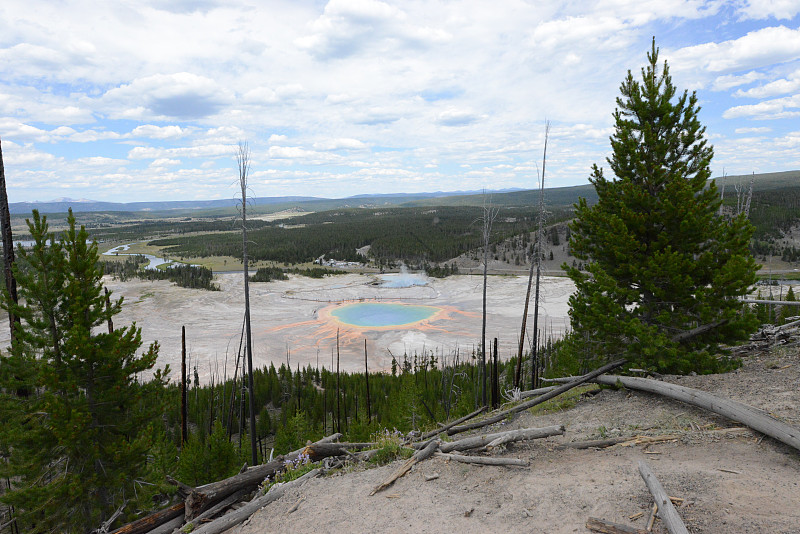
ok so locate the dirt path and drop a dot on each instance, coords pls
(733, 481)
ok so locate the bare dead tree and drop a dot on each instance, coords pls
(487, 219)
(539, 236)
(243, 162)
(536, 258)
(8, 246)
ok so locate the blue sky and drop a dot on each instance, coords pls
(146, 100)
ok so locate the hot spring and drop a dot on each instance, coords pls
(379, 314)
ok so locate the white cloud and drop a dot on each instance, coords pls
(182, 95)
(457, 117)
(100, 161)
(774, 88)
(339, 144)
(762, 9)
(348, 27)
(757, 129)
(158, 132)
(758, 48)
(203, 151)
(769, 109)
(729, 81)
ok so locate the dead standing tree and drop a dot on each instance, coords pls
(536, 261)
(486, 219)
(243, 162)
(8, 245)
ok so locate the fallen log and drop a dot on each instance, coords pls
(536, 392)
(206, 496)
(538, 400)
(154, 520)
(169, 527)
(217, 508)
(742, 413)
(607, 527)
(666, 511)
(236, 517)
(448, 426)
(199, 500)
(476, 442)
(482, 460)
(318, 451)
(420, 455)
(610, 442)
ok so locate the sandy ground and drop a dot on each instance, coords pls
(293, 316)
(732, 481)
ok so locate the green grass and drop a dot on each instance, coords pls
(565, 401)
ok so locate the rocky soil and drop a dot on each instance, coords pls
(732, 479)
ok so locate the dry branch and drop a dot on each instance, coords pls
(610, 442)
(148, 523)
(482, 460)
(448, 426)
(753, 417)
(318, 451)
(476, 442)
(536, 392)
(419, 456)
(666, 511)
(206, 496)
(538, 400)
(239, 516)
(607, 527)
(169, 527)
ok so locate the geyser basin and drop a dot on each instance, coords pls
(380, 314)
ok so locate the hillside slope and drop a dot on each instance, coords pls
(731, 480)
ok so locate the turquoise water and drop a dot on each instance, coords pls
(382, 314)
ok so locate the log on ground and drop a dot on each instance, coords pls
(476, 442)
(666, 511)
(236, 517)
(152, 521)
(420, 455)
(483, 460)
(318, 451)
(577, 381)
(742, 413)
(607, 527)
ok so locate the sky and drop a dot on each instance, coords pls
(146, 100)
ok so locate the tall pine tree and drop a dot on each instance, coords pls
(75, 427)
(663, 270)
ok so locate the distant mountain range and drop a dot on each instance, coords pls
(504, 197)
(61, 205)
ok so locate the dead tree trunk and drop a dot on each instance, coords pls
(366, 378)
(538, 400)
(448, 426)
(243, 160)
(607, 527)
(477, 442)
(742, 413)
(666, 511)
(482, 460)
(540, 235)
(240, 515)
(8, 247)
(495, 378)
(419, 456)
(148, 523)
(184, 429)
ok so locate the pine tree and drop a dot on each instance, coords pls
(663, 269)
(75, 425)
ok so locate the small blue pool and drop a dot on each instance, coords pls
(377, 314)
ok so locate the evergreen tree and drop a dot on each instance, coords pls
(664, 270)
(75, 417)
